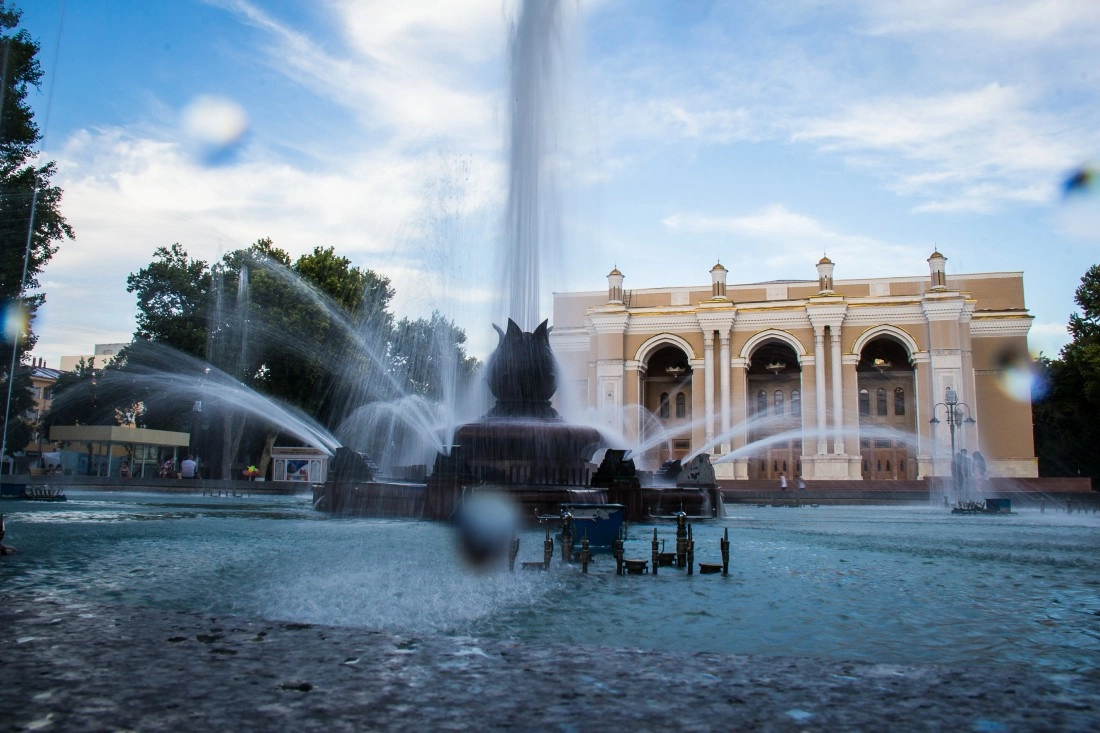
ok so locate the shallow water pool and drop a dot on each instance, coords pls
(893, 585)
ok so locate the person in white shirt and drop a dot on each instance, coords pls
(188, 468)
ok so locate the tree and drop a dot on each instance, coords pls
(76, 398)
(173, 295)
(315, 333)
(309, 333)
(1067, 397)
(31, 224)
(430, 357)
(1084, 327)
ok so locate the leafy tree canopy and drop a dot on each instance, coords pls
(31, 224)
(173, 295)
(1064, 411)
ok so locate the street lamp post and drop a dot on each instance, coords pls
(957, 414)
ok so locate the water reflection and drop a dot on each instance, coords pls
(883, 584)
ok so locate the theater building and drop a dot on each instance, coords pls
(876, 378)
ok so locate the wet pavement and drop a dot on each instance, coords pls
(71, 666)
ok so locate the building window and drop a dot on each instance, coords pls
(664, 404)
(899, 401)
(864, 402)
(880, 401)
(761, 403)
(796, 402)
(681, 405)
(778, 402)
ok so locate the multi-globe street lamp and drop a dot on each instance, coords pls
(958, 414)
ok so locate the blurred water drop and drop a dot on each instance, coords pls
(486, 523)
(14, 321)
(215, 127)
(1079, 181)
(1018, 378)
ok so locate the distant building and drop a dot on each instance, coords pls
(43, 380)
(103, 355)
(843, 379)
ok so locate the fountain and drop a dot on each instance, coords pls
(522, 446)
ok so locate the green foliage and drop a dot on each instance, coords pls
(31, 224)
(316, 333)
(1068, 400)
(430, 358)
(76, 398)
(173, 300)
(1084, 327)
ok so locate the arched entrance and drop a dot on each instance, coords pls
(666, 394)
(887, 410)
(774, 394)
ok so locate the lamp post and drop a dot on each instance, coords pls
(955, 412)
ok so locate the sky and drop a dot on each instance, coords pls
(754, 133)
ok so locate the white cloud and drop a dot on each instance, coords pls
(126, 195)
(942, 102)
(1014, 21)
(959, 151)
(411, 69)
(793, 240)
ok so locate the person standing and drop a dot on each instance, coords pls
(979, 464)
(800, 483)
(188, 467)
(783, 481)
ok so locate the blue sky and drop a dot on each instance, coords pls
(758, 133)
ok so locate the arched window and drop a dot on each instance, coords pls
(880, 401)
(796, 402)
(778, 402)
(681, 405)
(761, 403)
(664, 404)
(899, 401)
(864, 402)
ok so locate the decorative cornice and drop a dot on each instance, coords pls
(936, 308)
(572, 339)
(609, 369)
(608, 322)
(716, 321)
(786, 319)
(1002, 325)
(681, 323)
(827, 312)
(866, 314)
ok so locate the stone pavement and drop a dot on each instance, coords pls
(70, 666)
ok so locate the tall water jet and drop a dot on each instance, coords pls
(532, 228)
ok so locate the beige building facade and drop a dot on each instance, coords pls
(878, 379)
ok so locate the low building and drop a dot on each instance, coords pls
(43, 380)
(874, 378)
(103, 354)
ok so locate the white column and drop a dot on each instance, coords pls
(819, 388)
(838, 401)
(708, 387)
(724, 370)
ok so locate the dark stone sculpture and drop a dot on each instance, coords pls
(521, 373)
